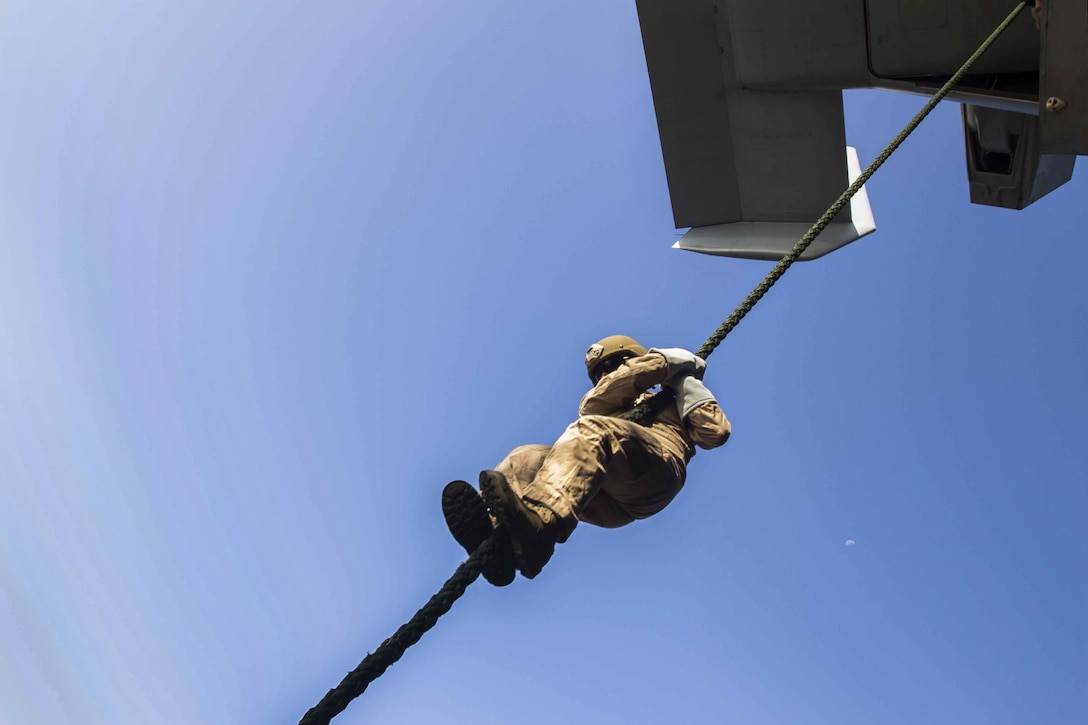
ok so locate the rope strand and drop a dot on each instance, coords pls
(647, 410)
(375, 664)
(798, 249)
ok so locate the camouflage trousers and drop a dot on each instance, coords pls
(603, 470)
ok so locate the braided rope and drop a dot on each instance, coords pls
(391, 650)
(374, 665)
(779, 269)
(647, 410)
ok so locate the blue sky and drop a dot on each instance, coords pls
(272, 273)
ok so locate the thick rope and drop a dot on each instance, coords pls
(374, 665)
(391, 650)
(658, 402)
(779, 269)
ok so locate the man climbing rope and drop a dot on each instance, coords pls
(603, 470)
(475, 532)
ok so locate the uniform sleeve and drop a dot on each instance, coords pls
(618, 390)
(708, 426)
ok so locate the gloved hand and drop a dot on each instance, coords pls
(680, 363)
(690, 394)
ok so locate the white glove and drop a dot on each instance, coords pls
(680, 363)
(690, 394)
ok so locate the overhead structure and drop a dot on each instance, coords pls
(748, 97)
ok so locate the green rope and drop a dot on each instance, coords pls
(375, 664)
(646, 411)
(391, 650)
(779, 269)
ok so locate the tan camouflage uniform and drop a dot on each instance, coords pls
(608, 471)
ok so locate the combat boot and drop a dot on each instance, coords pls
(471, 525)
(533, 529)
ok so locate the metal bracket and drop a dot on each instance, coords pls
(1063, 77)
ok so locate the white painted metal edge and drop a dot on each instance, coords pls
(771, 240)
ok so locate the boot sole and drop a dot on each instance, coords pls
(471, 525)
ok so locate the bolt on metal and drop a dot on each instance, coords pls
(1054, 104)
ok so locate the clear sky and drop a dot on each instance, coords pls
(272, 273)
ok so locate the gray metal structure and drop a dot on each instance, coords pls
(748, 96)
